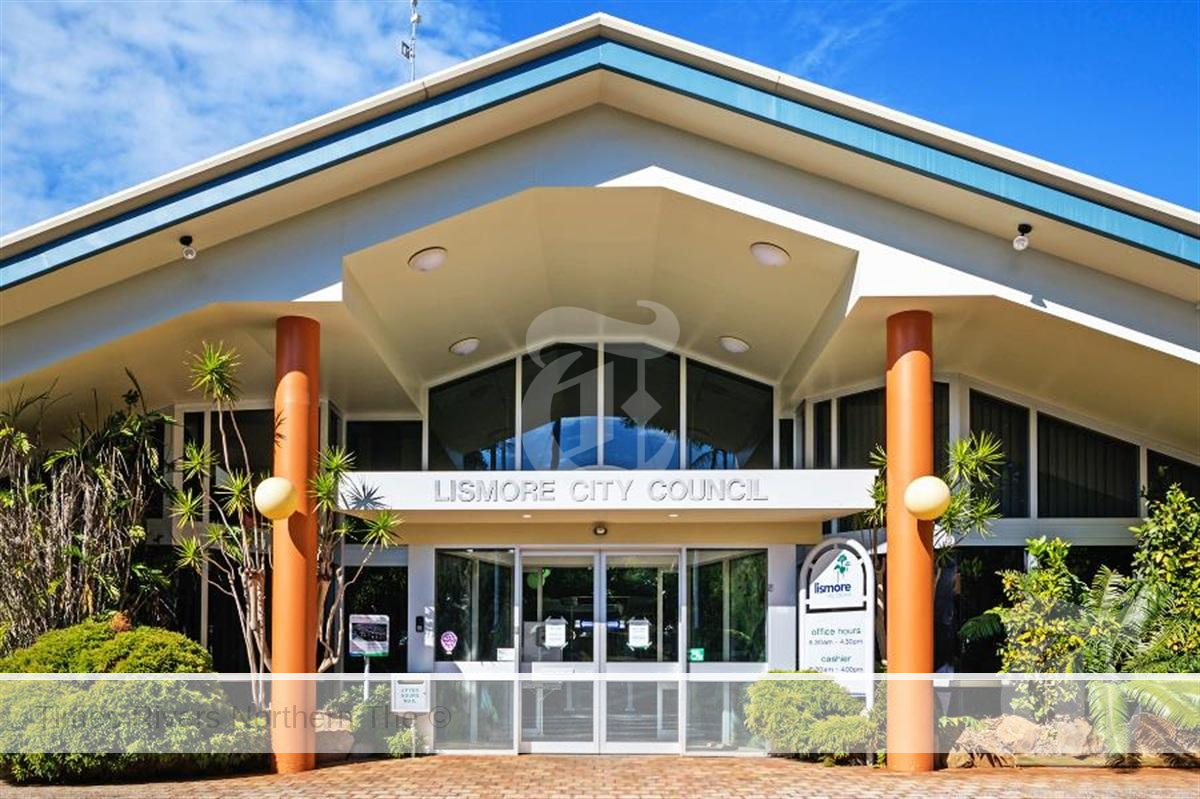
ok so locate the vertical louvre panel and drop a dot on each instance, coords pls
(1010, 424)
(1084, 474)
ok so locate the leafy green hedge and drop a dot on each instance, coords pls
(812, 718)
(73, 731)
(97, 646)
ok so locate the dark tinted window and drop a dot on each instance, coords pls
(971, 586)
(941, 427)
(1084, 474)
(1163, 470)
(730, 420)
(384, 446)
(1085, 561)
(787, 444)
(862, 426)
(822, 435)
(471, 422)
(474, 611)
(257, 429)
(382, 590)
(727, 606)
(558, 408)
(641, 407)
(1010, 424)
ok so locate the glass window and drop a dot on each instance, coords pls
(1163, 470)
(1085, 561)
(557, 590)
(727, 606)
(1084, 474)
(474, 602)
(257, 429)
(385, 446)
(334, 436)
(383, 590)
(730, 420)
(643, 594)
(862, 426)
(472, 421)
(1010, 424)
(558, 408)
(822, 438)
(971, 586)
(787, 444)
(641, 407)
(941, 427)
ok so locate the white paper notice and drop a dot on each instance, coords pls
(639, 634)
(555, 634)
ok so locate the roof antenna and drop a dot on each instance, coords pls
(408, 49)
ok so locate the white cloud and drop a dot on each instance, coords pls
(831, 38)
(95, 97)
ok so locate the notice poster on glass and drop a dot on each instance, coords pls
(639, 634)
(554, 633)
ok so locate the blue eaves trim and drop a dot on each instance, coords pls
(563, 65)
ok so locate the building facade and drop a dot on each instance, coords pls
(610, 320)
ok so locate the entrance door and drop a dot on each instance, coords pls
(559, 641)
(585, 614)
(642, 660)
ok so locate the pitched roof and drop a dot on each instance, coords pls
(601, 42)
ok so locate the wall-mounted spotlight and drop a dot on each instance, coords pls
(189, 252)
(599, 529)
(1021, 242)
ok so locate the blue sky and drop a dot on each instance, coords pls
(95, 97)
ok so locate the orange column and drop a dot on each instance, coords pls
(294, 580)
(910, 739)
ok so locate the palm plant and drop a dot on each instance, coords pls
(234, 540)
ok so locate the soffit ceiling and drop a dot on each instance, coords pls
(522, 270)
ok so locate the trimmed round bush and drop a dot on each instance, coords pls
(98, 646)
(85, 730)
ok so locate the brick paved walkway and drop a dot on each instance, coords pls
(648, 777)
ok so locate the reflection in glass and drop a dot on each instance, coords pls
(558, 408)
(716, 717)
(643, 607)
(641, 407)
(556, 590)
(384, 445)
(727, 593)
(382, 590)
(474, 593)
(477, 714)
(730, 420)
(472, 421)
(642, 712)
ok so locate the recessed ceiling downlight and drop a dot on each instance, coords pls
(428, 259)
(465, 346)
(734, 344)
(768, 254)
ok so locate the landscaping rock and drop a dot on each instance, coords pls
(334, 745)
(1068, 737)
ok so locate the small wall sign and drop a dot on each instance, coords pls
(449, 640)
(696, 654)
(369, 635)
(410, 696)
